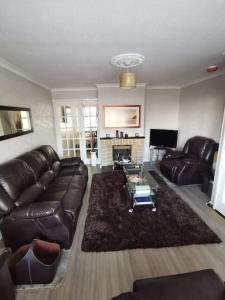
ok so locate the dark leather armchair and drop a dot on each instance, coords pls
(189, 165)
(40, 197)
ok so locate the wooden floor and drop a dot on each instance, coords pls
(100, 276)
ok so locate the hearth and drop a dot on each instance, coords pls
(120, 152)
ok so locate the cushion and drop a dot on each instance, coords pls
(72, 161)
(29, 195)
(36, 161)
(49, 154)
(6, 203)
(15, 177)
(56, 167)
(46, 179)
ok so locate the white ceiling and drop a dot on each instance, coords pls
(69, 43)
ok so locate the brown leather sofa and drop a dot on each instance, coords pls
(192, 163)
(200, 285)
(7, 291)
(40, 197)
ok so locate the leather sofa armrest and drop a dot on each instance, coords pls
(70, 162)
(36, 210)
(39, 220)
(193, 162)
(174, 154)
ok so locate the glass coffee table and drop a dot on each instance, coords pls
(141, 187)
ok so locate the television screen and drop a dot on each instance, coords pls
(163, 138)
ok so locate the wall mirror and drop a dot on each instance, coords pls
(14, 121)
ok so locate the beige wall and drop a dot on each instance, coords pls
(201, 109)
(110, 95)
(17, 91)
(74, 94)
(161, 112)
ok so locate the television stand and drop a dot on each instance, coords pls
(155, 153)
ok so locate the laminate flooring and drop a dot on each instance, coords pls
(100, 276)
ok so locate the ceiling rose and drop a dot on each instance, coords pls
(127, 60)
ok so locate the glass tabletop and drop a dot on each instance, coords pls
(138, 178)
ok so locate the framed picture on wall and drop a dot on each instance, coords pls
(124, 116)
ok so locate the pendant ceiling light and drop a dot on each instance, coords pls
(128, 79)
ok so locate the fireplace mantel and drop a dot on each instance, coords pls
(127, 138)
(106, 145)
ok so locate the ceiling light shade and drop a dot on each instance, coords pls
(128, 80)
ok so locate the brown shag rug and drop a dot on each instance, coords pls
(110, 227)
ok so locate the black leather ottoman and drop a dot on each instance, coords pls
(201, 285)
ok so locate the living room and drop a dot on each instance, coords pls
(60, 67)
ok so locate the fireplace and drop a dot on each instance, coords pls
(120, 152)
(106, 148)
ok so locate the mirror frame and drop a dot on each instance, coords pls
(15, 108)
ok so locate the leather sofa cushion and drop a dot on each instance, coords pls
(36, 210)
(197, 146)
(55, 194)
(49, 154)
(29, 195)
(15, 177)
(36, 161)
(56, 167)
(6, 203)
(69, 162)
(72, 201)
(76, 181)
(59, 187)
(75, 170)
(46, 179)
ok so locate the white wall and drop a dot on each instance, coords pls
(161, 112)
(201, 109)
(17, 91)
(113, 95)
(74, 93)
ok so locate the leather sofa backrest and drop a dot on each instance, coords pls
(201, 147)
(15, 177)
(49, 153)
(36, 161)
(6, 203)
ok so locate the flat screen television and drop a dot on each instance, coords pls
(163, 138)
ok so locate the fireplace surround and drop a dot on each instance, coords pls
(136, 145)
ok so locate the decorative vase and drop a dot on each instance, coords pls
(35, 263)
(93, 158)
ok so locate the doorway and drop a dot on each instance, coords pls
(77, 128)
